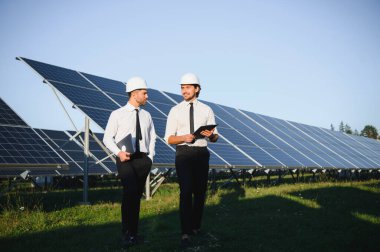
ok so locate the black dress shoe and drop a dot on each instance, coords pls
(196, 232)
(129, 241)
(185, 243)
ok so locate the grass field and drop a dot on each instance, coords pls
(320, 216)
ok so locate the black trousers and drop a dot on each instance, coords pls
(133, 174)
(192, 166)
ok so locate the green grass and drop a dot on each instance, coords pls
(323, 216)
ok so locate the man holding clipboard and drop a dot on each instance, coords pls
(192, 155)
(130, 135)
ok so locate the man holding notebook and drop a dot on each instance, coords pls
(192, 155)
(130, 135)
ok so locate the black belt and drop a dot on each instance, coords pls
(138, 155)
(185, 147)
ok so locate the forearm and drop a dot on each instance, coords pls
(176, 139)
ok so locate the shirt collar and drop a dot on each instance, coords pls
(130, 107)
(195, 101)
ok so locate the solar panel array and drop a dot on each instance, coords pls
(246, 139)
(22, 148)
(73, 153)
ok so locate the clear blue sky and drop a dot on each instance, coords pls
(314, 62)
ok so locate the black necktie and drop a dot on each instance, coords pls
(191, 118)
(138, 131)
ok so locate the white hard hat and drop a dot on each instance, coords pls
(190, 78)
(136, 83)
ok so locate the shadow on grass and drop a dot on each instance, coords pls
(57, 200)
(309, 220)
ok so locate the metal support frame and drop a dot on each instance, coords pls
(12, 182)
(147, 188)
(86, 146)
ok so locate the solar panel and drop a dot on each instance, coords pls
(100, 96)
(107, 85)
(22, 148)
(265, 142)
(370, 147)
(246, 139)
(351, 149)
(72, 152)
(96, 154)
(8, 116)
(338, 144)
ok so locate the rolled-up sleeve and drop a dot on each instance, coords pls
(171, 125)
(109, 134)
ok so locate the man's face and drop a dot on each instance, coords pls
(140, 96)
(189, 92)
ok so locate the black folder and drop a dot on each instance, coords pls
(127, 143)
(197, 133)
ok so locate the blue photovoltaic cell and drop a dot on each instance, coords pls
(8, 116)
(346, 147)
(328, 157)
(164, 155)
(258, 139)
(283, 157)
(369, 146)
(308, 146)
(122, 100)
(339, 148)
(160, 126)
(219, 115)
(342, 144)
(153, 112)
(233, 136)
(176, 97)
(286, 147)
(97, 152)
(324, 148)
(73, 153)
(311, 160)
(55, 73)
(165, 108)
(107, 85)
(230, 154)
(157, 96)
(260, 156)
(357, 152)
(231, 116)
(98, 115)
(22, 146)
(375, 144)
(257, 152)
(85, 97)
(54, 141)
(370, 143)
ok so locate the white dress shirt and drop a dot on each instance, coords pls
(123, 122)
(178, 123)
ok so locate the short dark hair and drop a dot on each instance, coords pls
(197, 85)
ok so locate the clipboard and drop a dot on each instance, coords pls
(126, 144)
(197, 133)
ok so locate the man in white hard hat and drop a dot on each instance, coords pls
(133, 168)
(192, 155)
